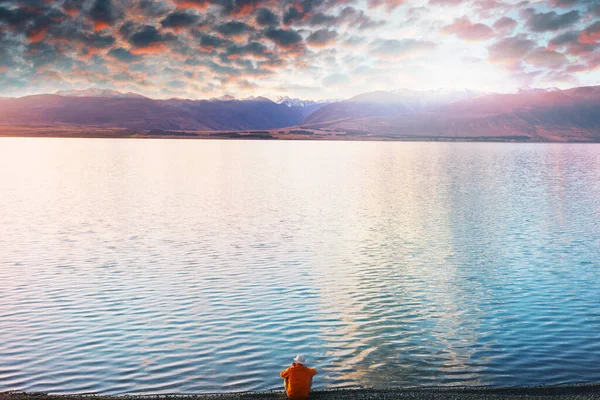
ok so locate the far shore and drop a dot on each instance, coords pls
(290, 133)
(558, 392)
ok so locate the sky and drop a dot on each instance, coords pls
(311, 49)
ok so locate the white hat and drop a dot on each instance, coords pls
(300, 359)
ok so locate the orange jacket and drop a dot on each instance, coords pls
(299, 381)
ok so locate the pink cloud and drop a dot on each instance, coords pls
(591, 34)
(466, 30)
(389, 4)
(510, 51)
(543, 57)
(505, 24)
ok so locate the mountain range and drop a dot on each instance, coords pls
(111, 109)
(95, 92)
(530, 114)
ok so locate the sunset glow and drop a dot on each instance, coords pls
(310, 49)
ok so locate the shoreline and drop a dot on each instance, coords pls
(283, 134)
(314, 139)
(551, 392)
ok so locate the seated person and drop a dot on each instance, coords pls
(297, 379)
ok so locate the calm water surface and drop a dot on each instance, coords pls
(163, 266)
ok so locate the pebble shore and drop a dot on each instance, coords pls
(571, 392)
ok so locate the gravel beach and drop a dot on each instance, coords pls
(571, 392)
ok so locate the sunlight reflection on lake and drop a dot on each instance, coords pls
(162, 266)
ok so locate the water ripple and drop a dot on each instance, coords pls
(170, 266)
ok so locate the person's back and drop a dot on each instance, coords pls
(298, 379)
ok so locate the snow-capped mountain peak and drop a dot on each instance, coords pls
(528, 89)
(295, 102)
(225, 97)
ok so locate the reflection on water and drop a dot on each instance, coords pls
(133, 266)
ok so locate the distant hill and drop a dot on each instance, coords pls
(138, 112)
(555, 115)
(94, 92)
(134, 113)
(387, 104)
(530, 114)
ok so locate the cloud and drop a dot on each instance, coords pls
(510, 51)
(447, 2)
(179, 19)
(563, 3)
(176, 84)
(490, 8)
(102, 14)
(196, 4)
(400, 48)
(354, 41)
(550, 21)
(233, 28)
(505, 24)
(42, 54)
(389, 4)
(292, 15)
(149, 43)
(542, 57)
(123, 55)
(564, 38)
(7, 54)
(285, 38)
(466, 30)
(591, 34)
(152, 8)
(98, 40)
(322, 19)
(209, 43)
(73, 7)
(353, 17)
(416, 13)
(300, 10)
(577, 43)
(255, 49)
(37, 33)
(525, 78)
(149, 40)
(266, 17)
(321, 37)
(246, 85)
(17, 18)
(592, 64)
(242, 8)
(348, 16)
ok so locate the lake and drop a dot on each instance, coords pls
(177, 266)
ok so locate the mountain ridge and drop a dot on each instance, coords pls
(144, 114)
(531, 114)
(96, 92)
(555, 115)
